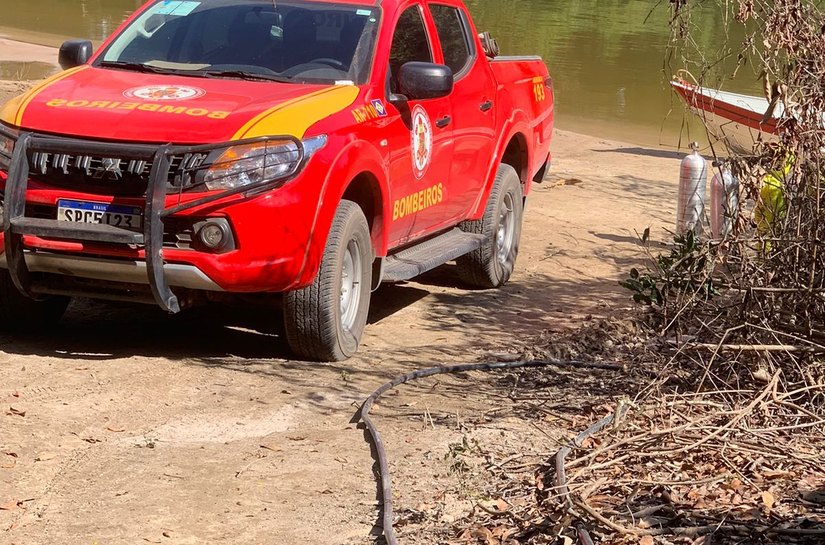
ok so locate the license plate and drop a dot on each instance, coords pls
(128, 217)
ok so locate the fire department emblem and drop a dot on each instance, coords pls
(164, 92)
(422, 141)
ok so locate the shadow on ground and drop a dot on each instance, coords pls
(100, 331)
(659, 153)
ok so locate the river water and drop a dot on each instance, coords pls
(607, 57)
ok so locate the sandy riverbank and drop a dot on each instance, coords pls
(21, 60)
(15, 51)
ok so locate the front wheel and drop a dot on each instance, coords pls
(18, 313)
(325, 320)
(491, 265)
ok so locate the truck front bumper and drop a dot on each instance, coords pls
(140, 258)
(126, 271)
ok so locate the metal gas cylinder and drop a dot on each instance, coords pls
(693, 180)
(724, 202)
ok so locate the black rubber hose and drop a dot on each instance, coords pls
(378, 443)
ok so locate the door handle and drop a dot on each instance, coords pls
(443, 122)
(485, 106)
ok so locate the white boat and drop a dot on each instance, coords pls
(738, 120)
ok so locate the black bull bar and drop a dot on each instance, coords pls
(16, 224)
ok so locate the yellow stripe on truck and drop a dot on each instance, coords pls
(12, 112)
(295, 116)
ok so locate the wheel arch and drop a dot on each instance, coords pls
(514, 150)
(517, 155)
(357, 173)
(365, 191)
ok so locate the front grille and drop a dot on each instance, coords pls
(178, 233)
(109, 175)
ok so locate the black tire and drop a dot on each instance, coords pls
(321, 322)
(492, 264)
(20, 314)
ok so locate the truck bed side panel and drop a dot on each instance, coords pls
(523, 80)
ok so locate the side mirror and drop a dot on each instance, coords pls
(489, 45)
(422, 80)
(74, 53)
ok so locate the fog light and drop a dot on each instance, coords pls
(212, 236)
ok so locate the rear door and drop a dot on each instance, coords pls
(420, 138)
(473, 106)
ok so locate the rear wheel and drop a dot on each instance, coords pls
(325, 321)
(18, 313)
(491, 265)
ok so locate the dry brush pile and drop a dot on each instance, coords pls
(726, 444)
(653, 456)
(758, 296)
(733, 449)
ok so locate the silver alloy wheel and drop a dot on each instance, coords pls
(505, 236)
(350, 284)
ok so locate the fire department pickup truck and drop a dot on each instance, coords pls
(309, 148)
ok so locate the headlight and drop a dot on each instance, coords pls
(6, 149)
(249, 164)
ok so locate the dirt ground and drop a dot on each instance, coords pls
(128, 426)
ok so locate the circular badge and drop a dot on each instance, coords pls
(422, 141)
(164, 92)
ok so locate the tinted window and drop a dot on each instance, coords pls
(409, 43)
(294, 40)
(454, 40)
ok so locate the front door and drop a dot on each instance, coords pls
(473, 107)
(420, 140)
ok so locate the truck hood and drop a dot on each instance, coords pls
(110, 104)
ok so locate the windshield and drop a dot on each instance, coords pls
(250, 39)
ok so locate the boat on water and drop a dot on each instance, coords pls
(738, 120)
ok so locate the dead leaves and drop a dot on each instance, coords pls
(811, 490)
(677, 470)
(11, 505)
(498, 535)
(502, 505)
(768, 501)
(566, 181)
(814, 496)
(15, 412)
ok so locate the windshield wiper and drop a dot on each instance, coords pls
(136, 67)
(240, 74)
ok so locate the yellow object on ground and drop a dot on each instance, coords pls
(771, 205)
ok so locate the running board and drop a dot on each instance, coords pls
(428, 255)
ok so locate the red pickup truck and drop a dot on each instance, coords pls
(309, 148)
